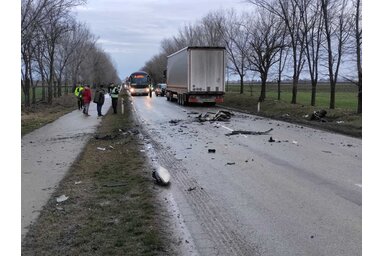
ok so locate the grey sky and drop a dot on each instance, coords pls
(131, 30)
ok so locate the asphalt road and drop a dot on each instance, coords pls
(299, 195)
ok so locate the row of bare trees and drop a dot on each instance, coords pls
(280, 38)
(57, 51)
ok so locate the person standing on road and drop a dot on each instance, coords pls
(99, 99)
(114, 96)
(87, 97)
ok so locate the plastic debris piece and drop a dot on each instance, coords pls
(102, 149)
(248, 132)
(61, 198)
(78, 182)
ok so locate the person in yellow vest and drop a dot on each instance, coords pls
(114, 96)
(79, 95)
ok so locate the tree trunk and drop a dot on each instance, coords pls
(263, 89)
(294, 90)
(360, 99)
(26, 89)
(241, 84)
(333, 95)
(313, 94)
(33, 94)
(43, 91)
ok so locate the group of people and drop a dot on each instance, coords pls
(84, 98)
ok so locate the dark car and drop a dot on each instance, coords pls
(160, 89)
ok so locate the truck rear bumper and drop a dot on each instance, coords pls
(206, 98)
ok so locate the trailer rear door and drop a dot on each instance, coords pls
(207, 70)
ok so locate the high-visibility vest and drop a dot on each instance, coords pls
(81, 92)
(115, 93)
(77, 90)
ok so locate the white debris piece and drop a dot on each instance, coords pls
(61, 198)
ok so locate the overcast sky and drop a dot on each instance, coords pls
(131, 30)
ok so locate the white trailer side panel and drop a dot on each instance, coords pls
(207, 70)
(177, 71)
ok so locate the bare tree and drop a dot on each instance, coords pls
(312, 34)
(266, 33)
(282, 60)
(155, 67)
(211, 26)
(290, 12)
(336, 34)
(236, 39)
(31, 17)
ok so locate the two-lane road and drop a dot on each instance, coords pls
(299, 195)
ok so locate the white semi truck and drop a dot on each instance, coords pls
(196, 75)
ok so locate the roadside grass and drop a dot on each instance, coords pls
(41, 114)
(343, 119)
(112, 207)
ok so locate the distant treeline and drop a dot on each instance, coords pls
(277, 39)
(57, 50)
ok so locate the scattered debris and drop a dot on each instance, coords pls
(190, 188)
(319, 115)
(61, 198)
(174, 121)
(220, 115)
(111, 147)
(102, 149)
(285, 115)
(294, 142)
(161, 175)
(231, 163)
(248, 132)
(340, 122)
(326, 151)
(211, 150)
(105, 137)
(78, 182)
(271, 140)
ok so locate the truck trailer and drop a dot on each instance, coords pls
(196, 75)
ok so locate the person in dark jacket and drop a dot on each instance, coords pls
(99, 99)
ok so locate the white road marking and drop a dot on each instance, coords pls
(229, 129)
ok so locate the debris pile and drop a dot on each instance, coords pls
(220, 115)
(319, 116)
